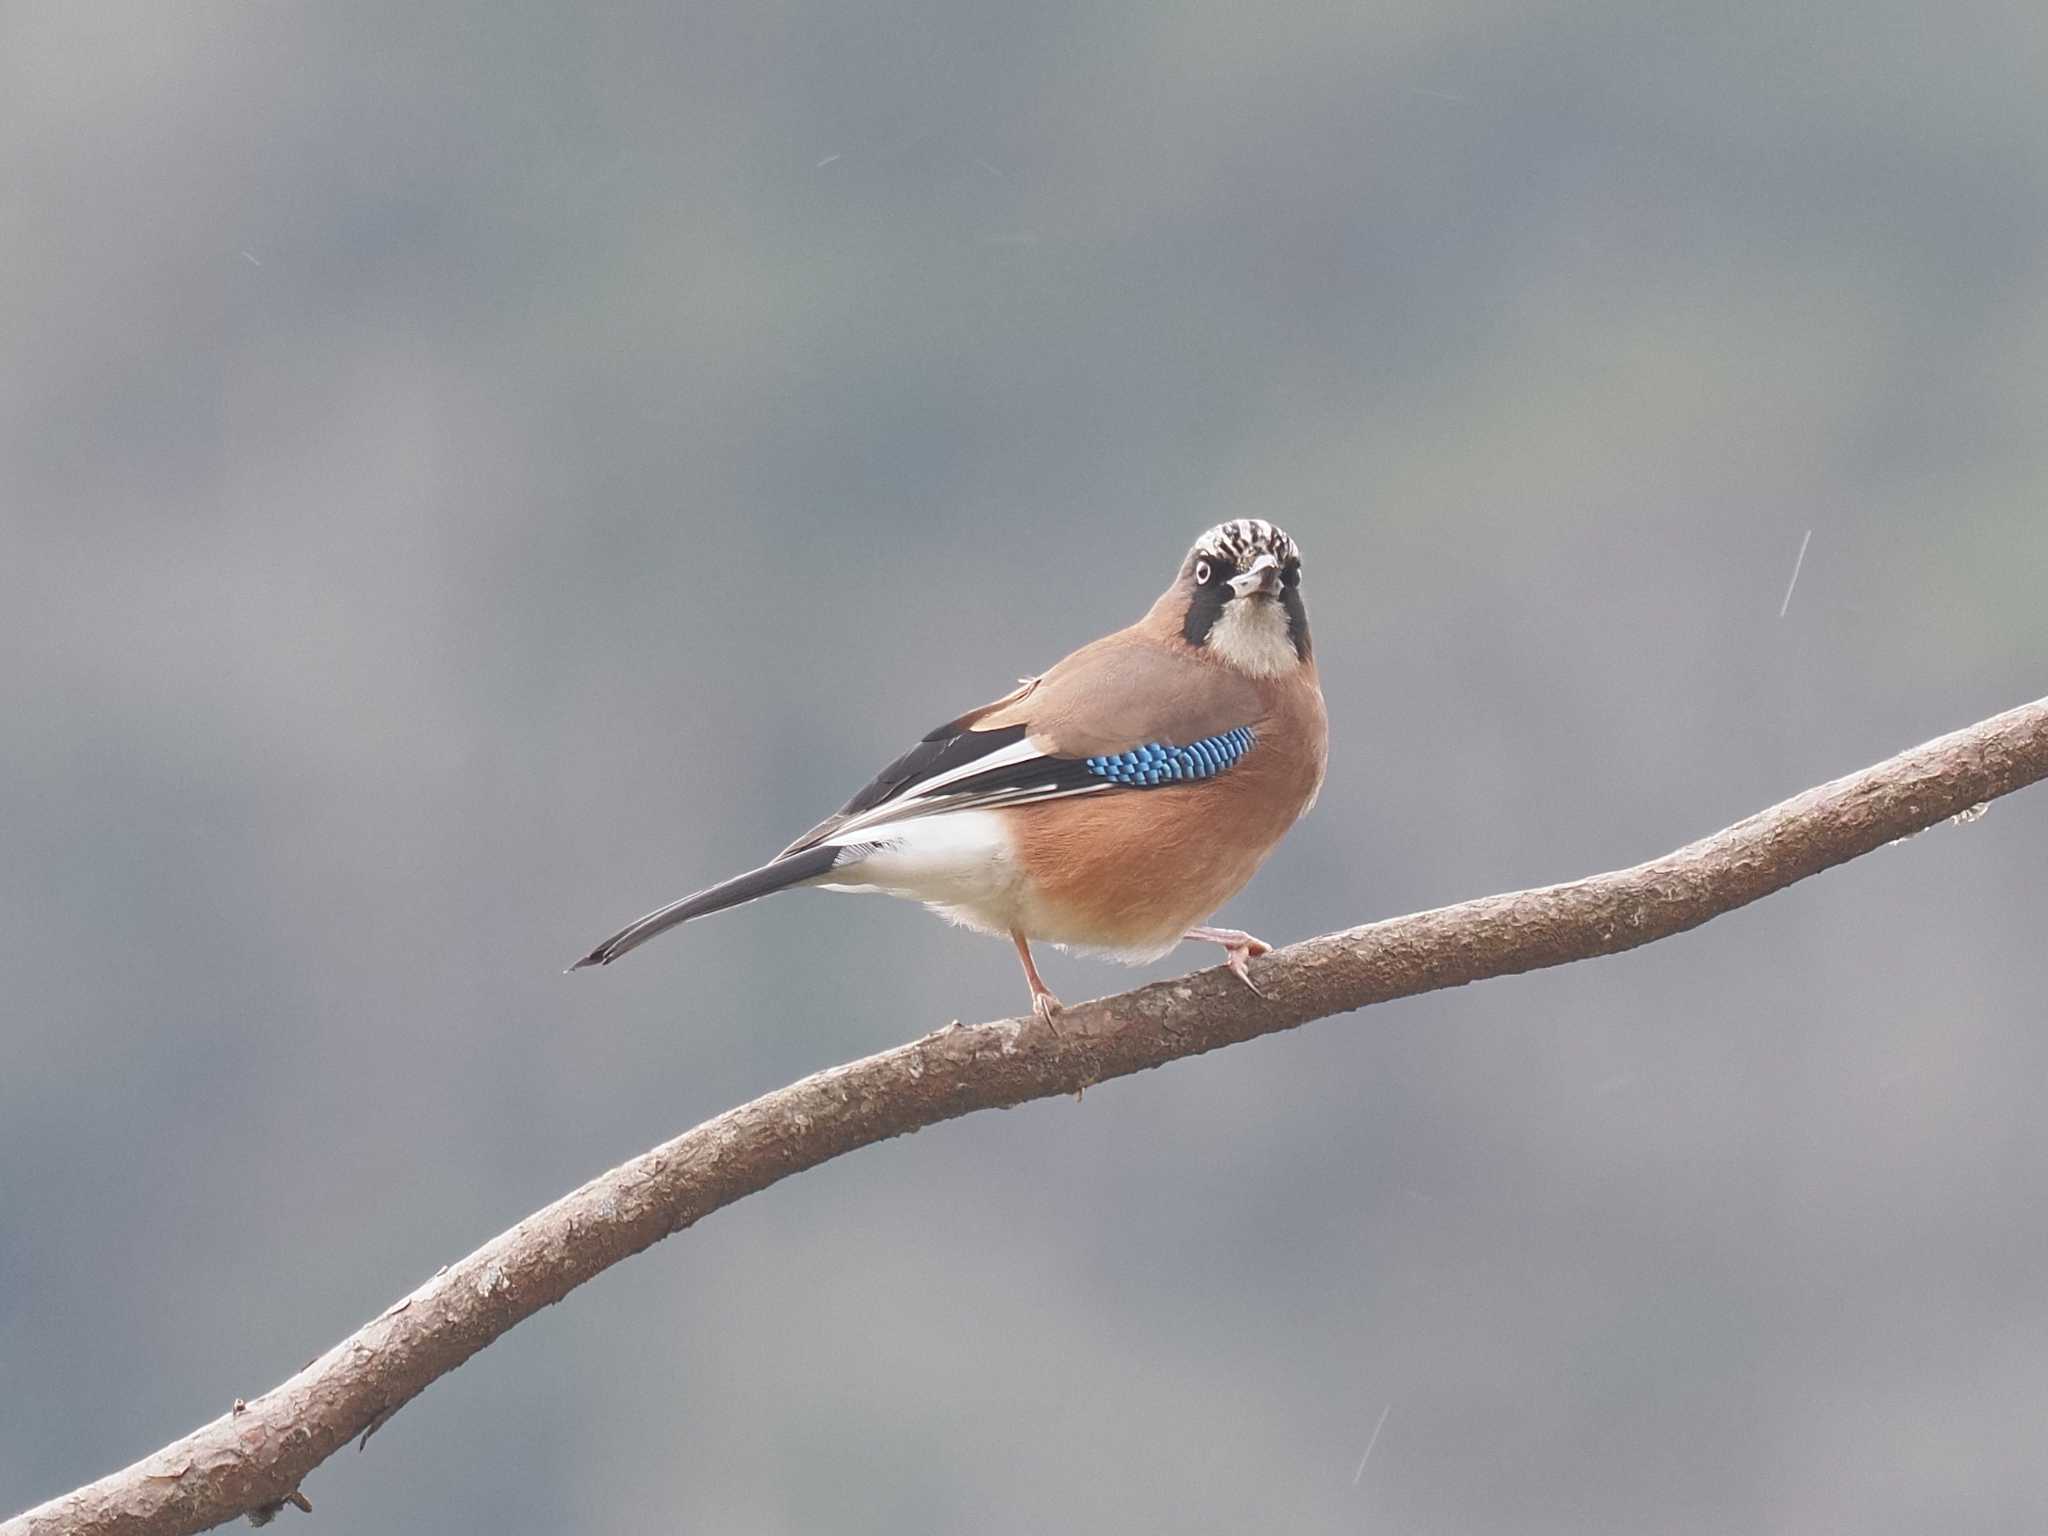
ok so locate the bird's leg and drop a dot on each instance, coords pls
(1043, 1004)
(1238, 947)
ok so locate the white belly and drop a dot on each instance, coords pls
(961, 866)
(958, 864)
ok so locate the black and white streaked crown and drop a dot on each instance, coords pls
(1242, 540)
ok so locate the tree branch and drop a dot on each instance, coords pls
(252, 1459)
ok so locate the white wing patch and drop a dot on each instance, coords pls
(941, 794)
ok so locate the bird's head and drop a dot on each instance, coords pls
(1239, 594)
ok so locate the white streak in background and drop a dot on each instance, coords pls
(249, 258)
(827, 161)
(1416, 90)
(1785, 607)
(1375, 1440)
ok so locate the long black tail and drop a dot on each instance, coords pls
(755, 883)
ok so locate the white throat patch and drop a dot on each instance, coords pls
(1251, 635)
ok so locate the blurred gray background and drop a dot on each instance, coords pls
(473, 472)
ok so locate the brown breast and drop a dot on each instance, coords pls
(1134, 868)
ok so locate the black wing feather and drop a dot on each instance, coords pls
(751, 886)
(1036, 779)
(941, 751)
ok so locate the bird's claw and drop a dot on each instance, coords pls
(1236, 956)
(1238, 947)
(1046, 1009)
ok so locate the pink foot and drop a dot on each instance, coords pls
(1238, 947)
(1044, 1006)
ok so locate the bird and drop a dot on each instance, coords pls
(1108, 805)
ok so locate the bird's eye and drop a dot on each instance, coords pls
(1203, 572)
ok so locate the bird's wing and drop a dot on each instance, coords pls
(1125, 712)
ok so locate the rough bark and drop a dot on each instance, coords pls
(252, 1458)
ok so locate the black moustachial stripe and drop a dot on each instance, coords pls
(1203, 612)
(1297, 620)
(1207, 606)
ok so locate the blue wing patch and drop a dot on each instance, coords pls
(905, 788)
(1160, 763)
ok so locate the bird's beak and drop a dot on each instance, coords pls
(1264, 577)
